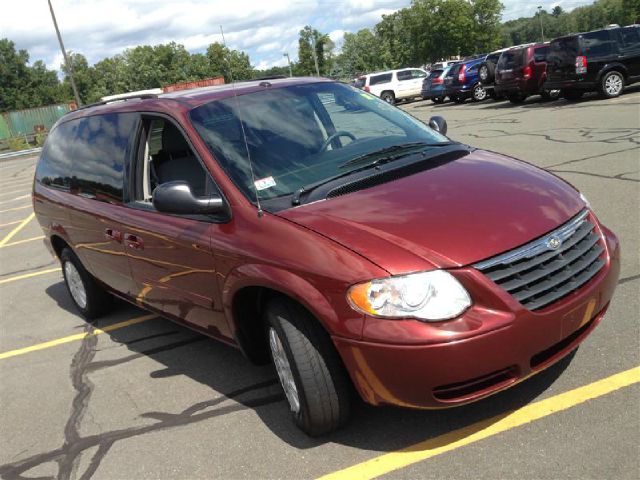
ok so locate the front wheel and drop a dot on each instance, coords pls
(89, 297)
(388, 97)
(611, 84)
(309, 368)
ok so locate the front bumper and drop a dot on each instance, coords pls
(492, 346)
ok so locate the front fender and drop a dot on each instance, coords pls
(333, 311)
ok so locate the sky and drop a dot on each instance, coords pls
(264, 29)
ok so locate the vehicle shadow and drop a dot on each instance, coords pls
(237, 385)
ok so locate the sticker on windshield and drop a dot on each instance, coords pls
(366, 95)
(264, 183)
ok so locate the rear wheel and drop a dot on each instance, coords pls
(479, 93)
(572, 94)
(437, 100)
(550, 94)
(309, 368)
(87, 294)
(388, 97)
(611, 84)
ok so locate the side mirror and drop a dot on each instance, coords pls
(177, 197)
(439, 124)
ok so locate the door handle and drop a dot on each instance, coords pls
(112, 234)
(133, 241)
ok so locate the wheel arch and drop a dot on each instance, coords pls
(618, 66)
(246, 292)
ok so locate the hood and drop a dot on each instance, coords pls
(453, 215)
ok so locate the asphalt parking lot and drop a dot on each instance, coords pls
(134, 396)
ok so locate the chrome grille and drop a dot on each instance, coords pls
(551, 267)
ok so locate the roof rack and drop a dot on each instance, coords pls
(140, 95)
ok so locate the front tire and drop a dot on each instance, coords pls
(87, 294)
(612, 84)
(309, 368)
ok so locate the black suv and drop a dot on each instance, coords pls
(603, 60)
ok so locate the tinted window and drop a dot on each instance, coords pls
(101, 146)
(630, 37)
(359, 82)
(493, 58)
(510, 59)
(597, 44)
(376, 79)
(54, 167)
(540, 54)
(563, 51)
(87, 155)
(404, 75)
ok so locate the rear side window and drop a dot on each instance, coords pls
(377, 79)
(418, 74)
(404, 75)
(87, 156)
(540, 54)
(598, 44)
(630, 37)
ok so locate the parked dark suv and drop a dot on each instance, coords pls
(522, 71)
(309, 223)
(602, 60)
(487, 73)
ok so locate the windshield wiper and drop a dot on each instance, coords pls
(382, 153)
(295, 200)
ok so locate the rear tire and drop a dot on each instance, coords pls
(388, 97)
(611, 84)
(438, 100)
(89, 297)
(310, 370)
(571, 94)
(479, 93)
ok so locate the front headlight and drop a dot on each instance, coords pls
(430, 296)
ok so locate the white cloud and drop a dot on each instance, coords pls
(99, 28)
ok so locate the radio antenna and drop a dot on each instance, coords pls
(244, 134)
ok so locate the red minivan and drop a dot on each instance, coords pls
(310, 223)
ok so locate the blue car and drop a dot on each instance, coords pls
(463, 81)
(433, 85)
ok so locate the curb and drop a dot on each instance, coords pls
(19, 153)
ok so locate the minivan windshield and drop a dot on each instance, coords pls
(303, 134)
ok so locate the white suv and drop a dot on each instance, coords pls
(393, 85)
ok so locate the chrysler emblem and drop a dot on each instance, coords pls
(553, 243)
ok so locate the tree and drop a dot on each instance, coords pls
(487, 15)
(361, 53)
(314, 46)
(557, 11)
(13, 72)
(233, 64)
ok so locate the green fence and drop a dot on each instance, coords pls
(28, 123)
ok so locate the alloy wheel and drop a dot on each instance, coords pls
(76, 285)
(283, 367)
(613, 84)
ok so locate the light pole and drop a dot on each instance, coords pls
(540, 16)
(286, 54)
(315, 54)
(66, 58)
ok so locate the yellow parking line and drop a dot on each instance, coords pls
(13, 232)
(484, 429)
(18, 242)
(29, 275)
(17, 208)
(73, 338)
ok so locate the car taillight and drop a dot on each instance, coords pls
(436, 81)
(581, 64)
(526, 72)
(461, 75)
(366, 88)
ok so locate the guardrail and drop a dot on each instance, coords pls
(4, 156)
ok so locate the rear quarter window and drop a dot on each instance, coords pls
(598, 44)
(378, 79)
(54, 166)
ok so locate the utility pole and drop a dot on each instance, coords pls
(66, 58)
(540, 16)
(286, 54)
(315, 54)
